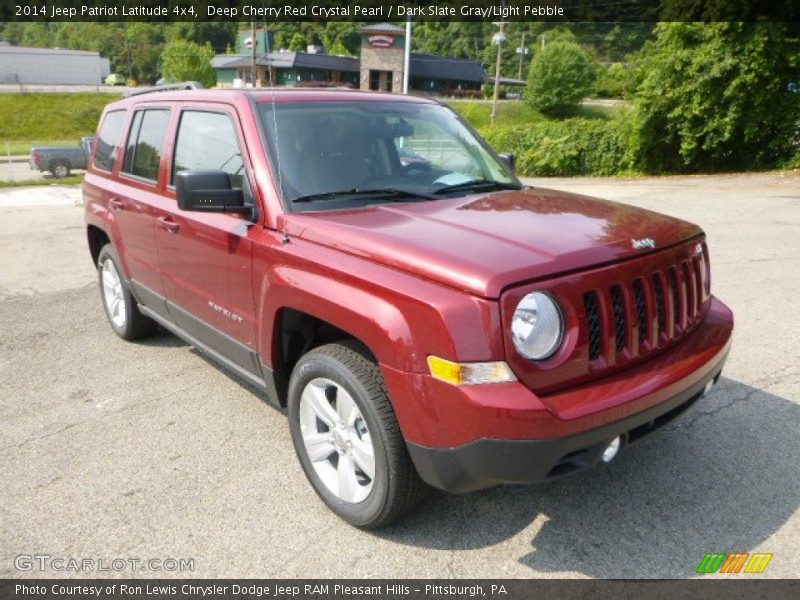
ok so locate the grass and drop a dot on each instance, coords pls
(479, 113)
(23, 147)
(71, 180)
(511, 112)
(45, 119)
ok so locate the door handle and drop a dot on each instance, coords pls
(168, 225)
(116, 204)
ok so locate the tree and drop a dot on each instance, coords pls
(298, 43)
(716, 96)
(560, 76)
(187, 61)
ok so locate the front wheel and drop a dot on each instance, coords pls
(347, 438)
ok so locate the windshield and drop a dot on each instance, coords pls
(343, 154)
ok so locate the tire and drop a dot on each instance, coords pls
(123, 316)
(60, 169)
(394, 488)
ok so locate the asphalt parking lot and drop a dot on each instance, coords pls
(117, 450)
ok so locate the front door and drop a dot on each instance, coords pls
(206, 258)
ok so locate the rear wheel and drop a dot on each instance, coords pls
(347, 438)
(60, 169)
(121, 308)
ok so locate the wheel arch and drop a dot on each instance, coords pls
(295, 332)
(97, 238)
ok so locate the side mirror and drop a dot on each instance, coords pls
(510, 160)
(208, 191)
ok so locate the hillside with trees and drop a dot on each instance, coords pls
(134, 49)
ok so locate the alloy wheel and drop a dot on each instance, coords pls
(113, 293)
(337, 440)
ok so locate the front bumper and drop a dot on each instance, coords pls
(464, 438)
(486, 463)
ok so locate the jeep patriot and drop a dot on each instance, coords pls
(373, 266)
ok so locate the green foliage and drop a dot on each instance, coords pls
(614, 81)
(596, 143)
(508, 113)
(50, 116)
(714, 96)
(187, 61)
(560, 76)
(298, 43)
(566, 147)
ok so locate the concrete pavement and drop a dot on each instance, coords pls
(111, 449)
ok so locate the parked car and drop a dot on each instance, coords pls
(373, 266)
(115, 79)
(61, 160)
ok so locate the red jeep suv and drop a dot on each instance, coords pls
(373, 266)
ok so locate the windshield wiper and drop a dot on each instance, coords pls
(383, 193)
(477, 184)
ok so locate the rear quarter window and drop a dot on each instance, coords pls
(108, 140)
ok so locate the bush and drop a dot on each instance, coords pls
(566, 147)
(560, 76)
(187, 61)
(714, 96)
(614, 81)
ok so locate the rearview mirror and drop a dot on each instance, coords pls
(509, 160)
(208, 191)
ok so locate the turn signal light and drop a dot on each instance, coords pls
(470, 373)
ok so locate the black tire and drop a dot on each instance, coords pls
(60, 168)
(135, 325)
(396, 488)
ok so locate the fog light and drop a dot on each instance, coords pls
(611, 450)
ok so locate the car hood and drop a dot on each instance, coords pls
(484, 243)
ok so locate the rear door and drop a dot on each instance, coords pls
(133, 198)
(206, 258)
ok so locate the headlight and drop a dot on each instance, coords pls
(537, 326)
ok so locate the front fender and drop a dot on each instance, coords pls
(400, 317)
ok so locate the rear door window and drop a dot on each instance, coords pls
(108, 140)
(145, 143)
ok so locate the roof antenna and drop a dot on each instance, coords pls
(285, 233)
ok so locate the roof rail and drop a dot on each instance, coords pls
(167, 87)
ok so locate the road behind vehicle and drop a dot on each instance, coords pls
(61, 160)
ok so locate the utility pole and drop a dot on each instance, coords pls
(521, 52)
(407, 56)
(498, 39)
(253, 53)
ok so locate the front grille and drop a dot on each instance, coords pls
(644, 303)
(620, 322)
(641, 310)
(592, 323)
(658, 288)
